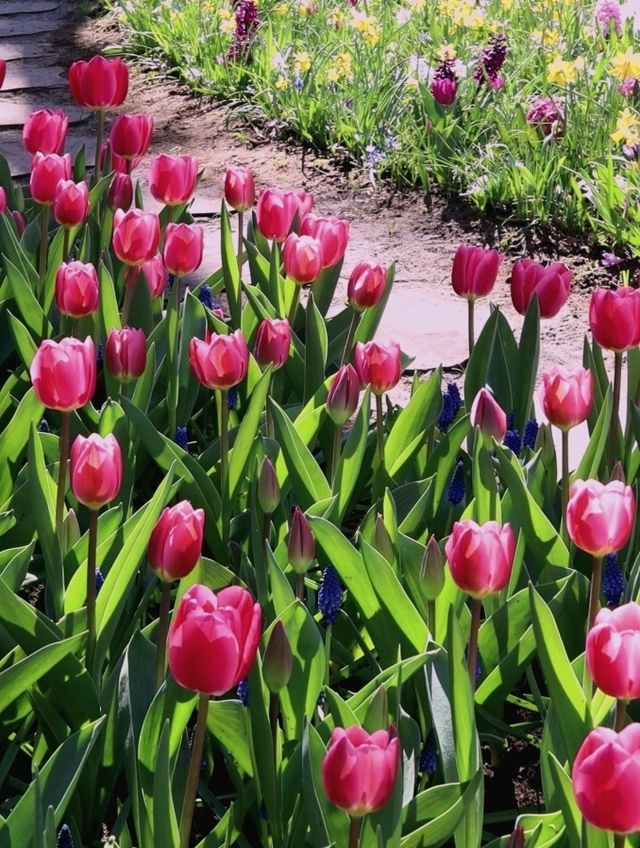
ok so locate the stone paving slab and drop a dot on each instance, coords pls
(20, 161)
(27, 24)
(26, 48)
(24, 78)
(20, 7)
(14, 114)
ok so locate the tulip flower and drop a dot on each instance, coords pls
(480, 556)
(125, 354)
(613, 649)
(175, 544)
(606, 779)
(155, 275)
(3, 201)
(269, 494)
(304, 201)
(378, 365)
(432, 574)
(239, 188)
(130, 136)
(219, 362)
(301, 546)
(71, 203)
(77, 289)
(275, 212)
(64, 373)
(3, 71)
(444, 91)
(136, 235)
(45, 131)
(302, 258)
(550, 283)
(277, 664)
(473, 275)
(96, 469)
(183, 248)
(172, 179)
(488, 415)
(567, 396)
(332, 233)
(366, 285)
(46, 172)
(120, 194)
(18, 220)
(273, 341)
(614, 318)
(360, 769)
(344, 393)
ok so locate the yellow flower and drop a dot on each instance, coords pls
(627, 128)
(562, 72)
(281, 9)
(227, 26)
(626, 64)
(367, 25)
(333, 75)
(343, 65)
(282, 83)
(546, 37)
(302, 62)
(417, 5)
(337, 18)
(446, 53)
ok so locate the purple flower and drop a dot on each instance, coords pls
(610, 260)
(547, 116)
(491, 62)
(609, 12)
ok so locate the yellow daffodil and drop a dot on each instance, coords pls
(302, 62)
(627, 128)
(624, 65)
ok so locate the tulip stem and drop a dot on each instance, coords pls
(615, 411)
(99, 136)
(62, 473)
(594, 594)
(294, 306)
(565, 473)
(66, 238)
(44, 239)
(471, 305)
(224, 441)
(621, 709)
(128, 299)
(380, 429)
(327, 651)
(273, 724)
(240, 236)
(618, 840)
(91, 587)
(354, 833)
(348, 346)
(186, 817)
(335, 454)
(163, 632)
(431, 618)
(300, 587)
(472, 658)
(268, 413)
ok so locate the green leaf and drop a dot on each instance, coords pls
(228, 722)
(245, 438)
(165, 824)
(480, 360)
(415, 420)
(193, 325)
(351, 458)
(442, 808)
(15, 438)
(315, 355)
(27, 303)
(527, 367)
(25, 345)
(308, 480)
(589, 465)
(230, 268)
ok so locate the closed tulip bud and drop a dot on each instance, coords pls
(46, 173)
(100, 83)
(378, 365)
(18, 220)
(606, 779)
(480, 556)
(613, 648)
(366, 285)
(175, 545)
(474, 271)
(273, 342)
(302, 258)
(551, 284)
(516, 840)
(444, 91)
(617, 472)
(275, 212)
(488, 415)
(614, 318)
(125, 354)
(432, 572)
(344, 394)
(120, 194)
(277, 664)
(130, 136)
(239, 188)
(302, 545)
(3, 201)
(377, 717)
(71, 203)
(3, 71)
(360, 769)
(96, 469)
(382, 540)
(269, 494)
(332, 233)
(567, 396)
(64, 373)
(136, 235)
(183, 248)
(77, 289)
(226, 626)
(155, 275)
(45, 131)
(600, 517)
(172, 179)
(219, 362)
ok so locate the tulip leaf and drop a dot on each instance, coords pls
(566, 799)
(230, 268)
(316, 344)
(192, 325)
(325, 286)
(28, 306)
(25, 345)
(589, 465)
(480, 360)
(352, 455)
(228, 722)
(527, 365)
(414, 421)
(15, 438)
(485, 489)
(13, 251)
(328, 825)
(165, 823)
(245, 438)
(441, 808)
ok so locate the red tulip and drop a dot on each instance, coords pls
(488, 415)
(342, 400)
(172, 179)
(3, 201)
(213, 639)
(614, 318)
(613, 651)
(379, 366)
(3, 71)
(480, 556)
(175, 545)
(275, 212)
(46, 173)
(474, 271)
(219, 362)
(302, 258)
(45, 131)
(120, 195)
(64, 373)
(125, 353)
(360, 769)
(100, 83)
(567, 396)
(130, 136)
(71, 203)
(136, 235)
(600, 517)
(444, 91)
(302, 545)
(332, 233)
(272, 343)
(96, 469)
(156, 276)
(550, 283)
(304, 201)
(77, 289)
(606, 779)
(239, 188)
(366, 285)
(183, 248)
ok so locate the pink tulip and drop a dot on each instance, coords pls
(304, 202)
(273, 342)
(219, 362)
(488, 415)
(550, 283)
(172, 179)
(45, 131)
(125, 353)
(302, 258)
(344, 394)
(613, 652)
(3, 201)
(366, 285)
(136, 235)
(175, 545)
(96, 469)
(600, 517)
(275, 212)
(606, 779)
(77, 289)
(183, 248)
(614, 318)
(332, 233)
(120, 195)
(239, 188)
(444, 91)
(360, 769)
(213, 639)
(71, 203)
(64, 373)
(3, 71)
(480, 556)
(474, 272)
(378, 365)
(46, 173)
(100, 83)
(156, 276)
(130, 136)
(567, 396)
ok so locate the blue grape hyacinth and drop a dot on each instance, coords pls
(330, 595)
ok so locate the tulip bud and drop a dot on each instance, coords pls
(377, 717)
(77, 290)
(551, 284)
(120, 194)
(172, 179)
(183, 248)
(275, 212)
(302, 545)
(125, 354)
(617, 472)
(614, 318)
(277, 664)
(342, 400)
(382, 540)
(488, 415)
(516, 840)
(175, 544)
(18, 220)
(155, 275)
(239, 188)
(71, 203)
(302, 258)
(131, 135)
(64, 373)
(136, 235)
(332, 233)
(273, 342)
(366, 285)
(474, 271)
(432, 571)
(378, 365)
(268, 488)
(45, 131)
